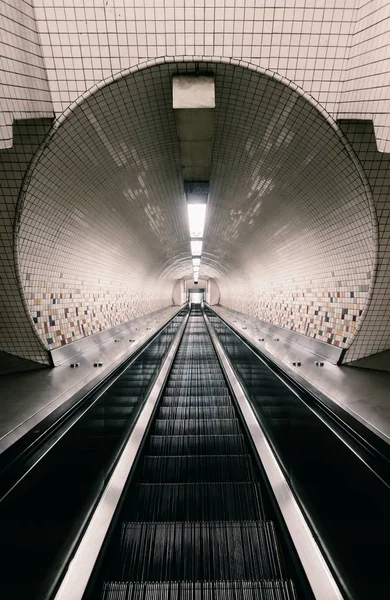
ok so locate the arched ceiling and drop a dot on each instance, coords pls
(105, 199)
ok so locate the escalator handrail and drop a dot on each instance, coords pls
(320, 571)
(58, 425)
(349, 432)
(78, 566)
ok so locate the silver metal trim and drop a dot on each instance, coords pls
(321, 580)
(45, 390)
(293, 338)
(360, 392)
(80, 568)
(79, 347)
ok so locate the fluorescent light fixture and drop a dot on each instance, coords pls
(196, 217)
(196, 247)
(196, 273)
(196, 262)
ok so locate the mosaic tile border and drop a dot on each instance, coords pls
(330, 317)
(63, 317)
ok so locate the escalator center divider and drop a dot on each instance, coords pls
(194, 521)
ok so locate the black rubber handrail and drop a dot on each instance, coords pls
(20, 458)
(35, 459)
(372, 477)
(370, 448)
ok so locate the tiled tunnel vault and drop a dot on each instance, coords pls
(103, 236)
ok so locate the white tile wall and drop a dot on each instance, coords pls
(289, 220)
(17, 335)
(334, 51)
(374, 334)
(24, 90)
(86, 41)
(289, 216)
(365, 91)
(103, 213)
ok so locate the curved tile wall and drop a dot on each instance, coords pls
(289, 226)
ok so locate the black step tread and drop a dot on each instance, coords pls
(195, 502)
(196, 412)
(192, 468)
(195, 444)
(190, 374)
(200, 590)
(194, 391)
(196, 426)
(184, 401)
(202, 551)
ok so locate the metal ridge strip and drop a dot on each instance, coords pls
(320, 577)
(293, 338)
(79, 347)
(58, 378)
(81, 566)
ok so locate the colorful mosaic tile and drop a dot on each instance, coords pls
(64, 317)
(330, 317)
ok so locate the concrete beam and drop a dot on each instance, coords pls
(193, 91)
(194, 102)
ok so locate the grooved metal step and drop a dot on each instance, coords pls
(200, 590)
(175, 445)
(196, 412)
(196, 427)
(184, 401)
(186, 469)
(195, 502)
(201, 551)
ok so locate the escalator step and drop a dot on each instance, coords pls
(196, 412)
(183, 376)
(196, 427)
(195, 389)
(174, 445)
(194, 523)
(195, 502)
(200, 590)
(185, 401)
(187, 469)
(205, 551)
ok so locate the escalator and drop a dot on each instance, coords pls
(338, 470)
(50, 486)
(196, 520)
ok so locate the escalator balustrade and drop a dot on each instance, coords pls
(345, 496)
(43, 516)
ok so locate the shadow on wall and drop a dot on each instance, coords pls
(18, 338)
(374, 334)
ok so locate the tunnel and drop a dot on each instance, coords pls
(289, 231)
(194, 300)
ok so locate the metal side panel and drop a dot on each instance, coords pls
(321, 580)
(28, 398)
(80, 568)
